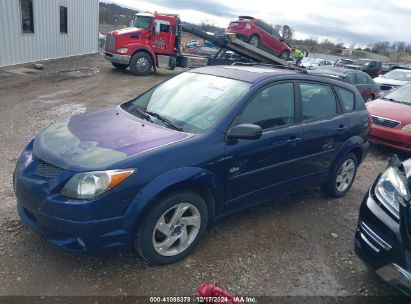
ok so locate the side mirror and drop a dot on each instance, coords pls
(156, 28)
(245, 131)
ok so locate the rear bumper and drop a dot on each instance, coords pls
(395, 138)
(117, 58)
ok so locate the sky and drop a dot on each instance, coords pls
(358, 22)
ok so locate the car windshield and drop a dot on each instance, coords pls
(142, 22)
(402, 94)
(403, 75)
(362, 62)
(192, 102)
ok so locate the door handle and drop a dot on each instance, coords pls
(342, 128)
(293, 141)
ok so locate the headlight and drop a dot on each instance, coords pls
(122, 50)
(390, 190)
(91, 184)
(407, 128)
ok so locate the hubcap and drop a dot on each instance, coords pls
(254, 41)
(345, 175)
(176, 229)
(142, 64)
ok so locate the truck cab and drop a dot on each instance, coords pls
(139, 46)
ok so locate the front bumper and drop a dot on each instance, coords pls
(89, 237)
(394, 138)
(396, 276)
(117, 58)
(378, 243)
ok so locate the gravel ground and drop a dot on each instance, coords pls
(300, 245)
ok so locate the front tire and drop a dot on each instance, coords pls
(172, 228)
(342, 177)
(284, 55)
(141, 64)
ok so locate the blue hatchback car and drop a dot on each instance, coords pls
(152, 173)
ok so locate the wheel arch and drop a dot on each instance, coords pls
(143, 49)
(198, 180)
(355, 145)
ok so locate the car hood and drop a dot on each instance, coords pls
(392, 110)
(383, 80)
(98, 140)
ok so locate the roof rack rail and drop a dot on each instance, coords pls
(272, 65)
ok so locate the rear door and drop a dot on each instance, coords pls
(255, 167)
(361, 82)
(325, 128)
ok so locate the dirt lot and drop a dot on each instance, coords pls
(281, 248)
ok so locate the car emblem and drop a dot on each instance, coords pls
(380, 119)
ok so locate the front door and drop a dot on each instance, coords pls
(363, 86)
(161, 40)
(255, 167)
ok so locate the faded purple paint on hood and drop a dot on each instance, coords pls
(96, 140)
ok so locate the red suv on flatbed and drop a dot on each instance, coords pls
(260, 34)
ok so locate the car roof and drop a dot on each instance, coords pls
(251, 74)
(334, 70)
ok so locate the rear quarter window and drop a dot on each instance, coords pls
(347, 99)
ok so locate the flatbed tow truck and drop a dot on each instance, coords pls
(155, 41)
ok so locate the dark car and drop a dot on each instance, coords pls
(371, 67)
(368, 88)
(383, 235)
(152, 173)
(343, 62)
(260, 34)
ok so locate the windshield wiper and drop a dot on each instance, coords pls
(165, 120)
(141, 112)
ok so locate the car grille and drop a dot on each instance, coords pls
(47, 170)
(384, 122)
(110, 42)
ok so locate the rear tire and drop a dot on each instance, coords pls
(141, 64)
(119, 66)
(254, 41)
(342, 177)
(172, 228)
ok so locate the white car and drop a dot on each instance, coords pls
(192, 44)
(393, 79)
(313, 63)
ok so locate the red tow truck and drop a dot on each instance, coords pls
(155, 40)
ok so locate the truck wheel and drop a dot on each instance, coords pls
(172, 228)
(342, 177)
(254, 41)
(119, 66)
(141, 64)
(285, 55)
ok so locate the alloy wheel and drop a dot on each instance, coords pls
(345, 175)
(176, 229)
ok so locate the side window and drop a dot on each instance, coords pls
(361, 79)
(63, 20)
(27, 20)
(369, 79)
(318, 101)
(350, 78)
(347, 98)
(164, 28)
(272, 107)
